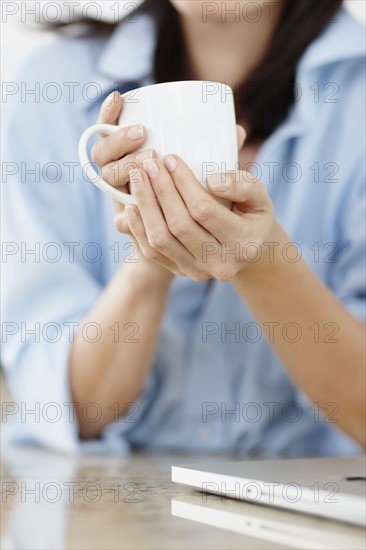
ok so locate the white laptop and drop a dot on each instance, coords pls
(330, 487)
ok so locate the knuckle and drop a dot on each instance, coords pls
(224, 275)
(160, 189)
(197, 276)
(158, 240)
(149, 253)
(202, 277)
(96, 153)
(180, 228)
(114, 174)
(108, 175)
(120, 223)
(202, 210)
(128, 164)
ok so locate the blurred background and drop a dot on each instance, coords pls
(18, 38)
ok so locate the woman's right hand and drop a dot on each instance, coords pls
(117, 155)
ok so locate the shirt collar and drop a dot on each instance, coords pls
(129, 51)
(126, 61)
(128, 54)
(342, 40)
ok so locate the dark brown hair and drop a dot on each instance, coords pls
(264, 99)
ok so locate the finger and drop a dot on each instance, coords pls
(249, 196)
(219, 221)
(117, 206)
(159, 237)
(137, 228)
(241, 133)
(110, 109)
(117, 173)
(120, 222)
(123, 141)
(203, 208)
(242, 188)
(177, 216)
(120, 179)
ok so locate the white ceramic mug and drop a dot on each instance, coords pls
(192, 119)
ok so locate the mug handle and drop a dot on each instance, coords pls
(86, 165)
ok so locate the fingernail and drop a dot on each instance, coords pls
(170, 162)
(130, 213)
(136, 181)
(109, 101)
(144, 155)
(219, 182)
(136, 132)
(151, 168)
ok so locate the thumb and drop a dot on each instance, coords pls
(241, 134)
(110, 109)
(240, 187)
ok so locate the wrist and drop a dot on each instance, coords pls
(148, 275)
(269, 259)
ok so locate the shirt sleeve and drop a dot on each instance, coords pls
(49, 214)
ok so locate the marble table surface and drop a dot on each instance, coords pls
(57, 502)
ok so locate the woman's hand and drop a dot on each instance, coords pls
(116, 157)
(177, 221)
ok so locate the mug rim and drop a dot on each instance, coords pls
(175, 82)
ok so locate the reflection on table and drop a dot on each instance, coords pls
(60, 502)
(286, 528)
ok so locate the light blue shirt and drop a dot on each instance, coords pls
(209, 388)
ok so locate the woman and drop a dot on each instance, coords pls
(258, 347)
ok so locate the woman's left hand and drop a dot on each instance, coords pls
(176, 218)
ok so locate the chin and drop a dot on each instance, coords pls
(214, 10)
(189, 7)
